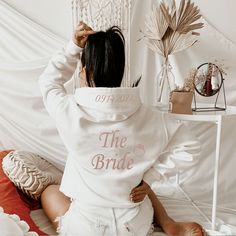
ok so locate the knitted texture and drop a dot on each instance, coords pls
(30, 172)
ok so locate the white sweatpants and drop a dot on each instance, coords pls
(95, 221)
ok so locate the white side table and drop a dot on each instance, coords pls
(216, 117)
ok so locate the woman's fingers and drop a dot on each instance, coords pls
(82, 31)
(140, 192)
(137, 198)
(83, 27)
(204, 232)
(88, 27)
(141, 188)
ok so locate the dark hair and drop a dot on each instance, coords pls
(104, 58)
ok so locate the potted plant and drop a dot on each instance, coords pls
(181, 98)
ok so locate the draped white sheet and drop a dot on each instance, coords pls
(25, 49)
(24, 123)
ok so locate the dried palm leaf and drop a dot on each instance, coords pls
(182, 19)
(171, 30)
(165, 11)
(156, 24)
(180, 42)
(187, 15)
(156, 46)
(169, 14)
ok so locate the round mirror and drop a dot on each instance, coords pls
(208, 79)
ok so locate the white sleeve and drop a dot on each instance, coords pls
(181, 153)
(59, 70)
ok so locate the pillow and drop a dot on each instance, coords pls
(30, 172)
(12, 202)
(12, 225)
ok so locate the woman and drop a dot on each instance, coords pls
(114, 144)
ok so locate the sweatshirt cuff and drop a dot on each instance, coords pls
(73, 49)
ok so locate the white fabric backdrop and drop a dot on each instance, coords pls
(25, 49)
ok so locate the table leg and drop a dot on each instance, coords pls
(216, 173)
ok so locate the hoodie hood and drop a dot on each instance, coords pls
(108, 104)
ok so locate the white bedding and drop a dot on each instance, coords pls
(25, 124)
(180, 210)
(42, 221)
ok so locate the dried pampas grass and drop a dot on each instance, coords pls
(171, 30)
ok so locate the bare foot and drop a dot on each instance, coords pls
(183, 229)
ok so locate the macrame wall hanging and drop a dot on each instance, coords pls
(102, 14)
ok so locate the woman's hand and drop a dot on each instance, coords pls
(139, 193)
(82, 31)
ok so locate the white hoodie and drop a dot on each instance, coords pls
(113, 141)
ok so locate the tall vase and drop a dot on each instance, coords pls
(165, 84)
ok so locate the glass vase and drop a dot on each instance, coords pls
(165, 84)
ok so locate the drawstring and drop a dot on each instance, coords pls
(114, 222)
